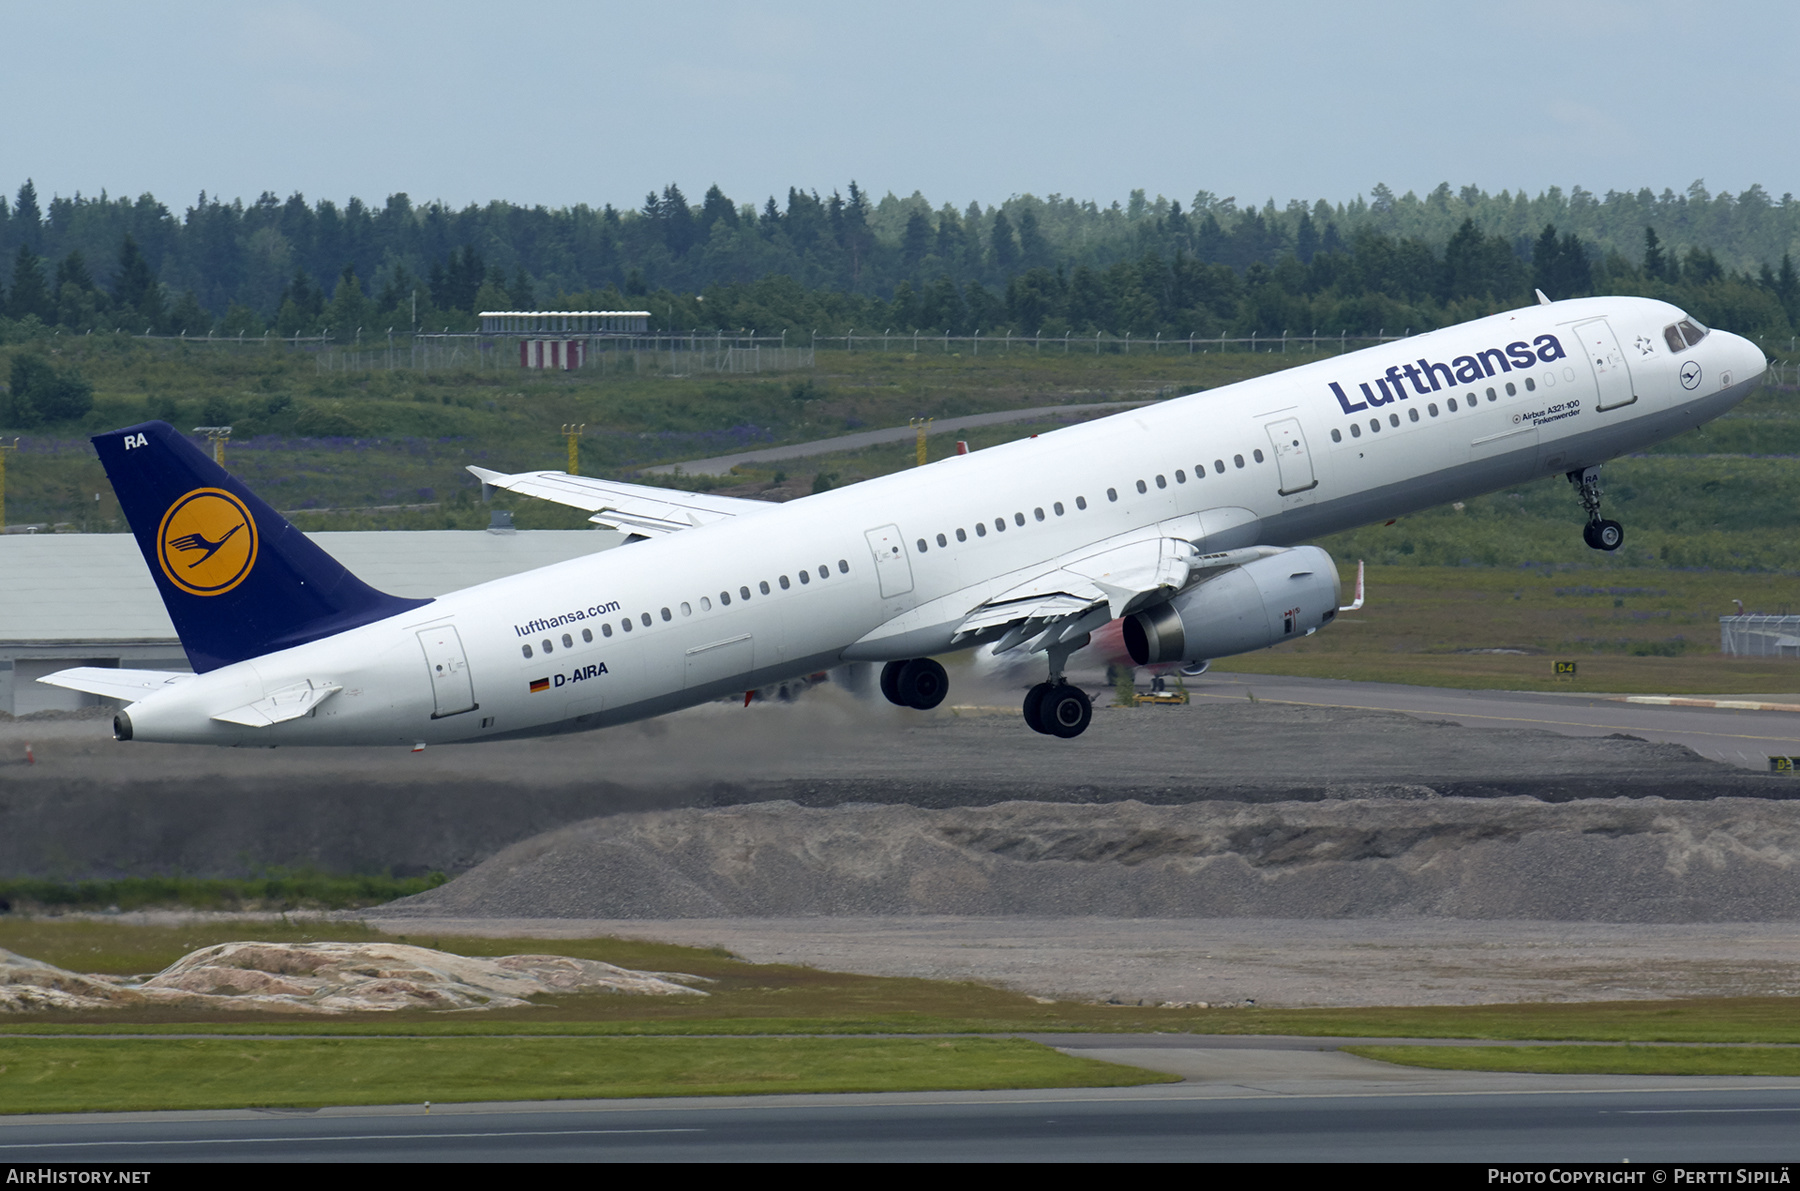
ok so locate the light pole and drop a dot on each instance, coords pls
(218, 436)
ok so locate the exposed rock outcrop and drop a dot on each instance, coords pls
(329, 978)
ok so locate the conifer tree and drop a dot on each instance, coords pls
(29, 294)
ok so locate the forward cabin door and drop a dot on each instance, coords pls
(451, 684)
(891, 564)
(1293, 461)
(1611, 375)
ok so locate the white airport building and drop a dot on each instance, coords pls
(88, 600)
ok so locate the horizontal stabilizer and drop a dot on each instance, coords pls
(288, 703)
(129, 685)
(631, 508)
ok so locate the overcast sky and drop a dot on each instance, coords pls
(559, 103)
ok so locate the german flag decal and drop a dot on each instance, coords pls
(539, 684)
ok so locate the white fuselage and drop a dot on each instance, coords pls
(1150, 472)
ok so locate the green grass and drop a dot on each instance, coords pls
(1593, 1060)
(785, 999)
(116, 1075)
(1635, 632)
(276, 890)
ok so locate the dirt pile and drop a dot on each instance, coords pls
(1600, 860)
(328, 978)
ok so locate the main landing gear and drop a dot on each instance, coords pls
(1056, 708)
(918, 683)
(1598, 533)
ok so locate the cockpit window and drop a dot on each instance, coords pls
(1692, 331)
(1672, 337)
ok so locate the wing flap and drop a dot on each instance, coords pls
(129, 685)
(635, 508)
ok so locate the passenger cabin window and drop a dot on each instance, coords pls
(646, 619)
(1081, 502)
(942, 542)
(568, 641)
(1142, 488)
(1238, 460)
(1451, 402)
(743, 593)
(1374, 425)
(1394, 420)
(1512, 390)
(687, 609)
(1038, 513)
(546, 645)
(1257, 455)
(824, 571)
(1219, 466)
(1058, 508)
(626, 624)
(1112, 494)
(1180, 476)
(784, 583)
(805, 577)
(1337, 435)
(1432, 409)
(921, 545)
(667, 615)
(981, 529)
(526, 649)
(1355, 430)
(1018, 518)
(725, 599)
(587, 635)
(606, 630)
(705, 606)
(763, 586)
(1413, 414)
(1000, 524)
(961, 536)
(844, 565)
(1530, 385)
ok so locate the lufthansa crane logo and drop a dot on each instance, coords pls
(207, 542)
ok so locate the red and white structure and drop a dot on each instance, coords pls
(558, 339)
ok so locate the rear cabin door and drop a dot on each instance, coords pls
(1611, 376)
(891, 563)
(451, 684)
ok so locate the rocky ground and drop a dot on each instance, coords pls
(91, 807)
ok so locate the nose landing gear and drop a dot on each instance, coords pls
(1598, 532)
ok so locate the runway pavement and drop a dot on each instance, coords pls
(1742, 738)
(1240, 1100)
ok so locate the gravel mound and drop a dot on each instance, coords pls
(1600, 860)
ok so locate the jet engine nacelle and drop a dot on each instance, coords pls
(1258, 604)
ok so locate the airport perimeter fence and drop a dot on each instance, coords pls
(1757, 636)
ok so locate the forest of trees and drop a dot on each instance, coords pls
(846, 261)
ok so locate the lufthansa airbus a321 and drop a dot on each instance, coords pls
(1182, 521)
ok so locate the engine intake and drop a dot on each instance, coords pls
(1253, 606)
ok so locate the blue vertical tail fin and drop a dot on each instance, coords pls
(238, 580)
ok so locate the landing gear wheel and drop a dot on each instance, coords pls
(890, 683)
(921, 684)
(1065, 711)
(1603, 535)
(1034, 703)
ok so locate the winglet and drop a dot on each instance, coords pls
(1357, 603)
(1542, 300)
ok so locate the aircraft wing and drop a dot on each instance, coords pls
(633, 508)
(129, 685)
(1081, 594)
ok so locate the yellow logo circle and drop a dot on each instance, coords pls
(207, 542)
